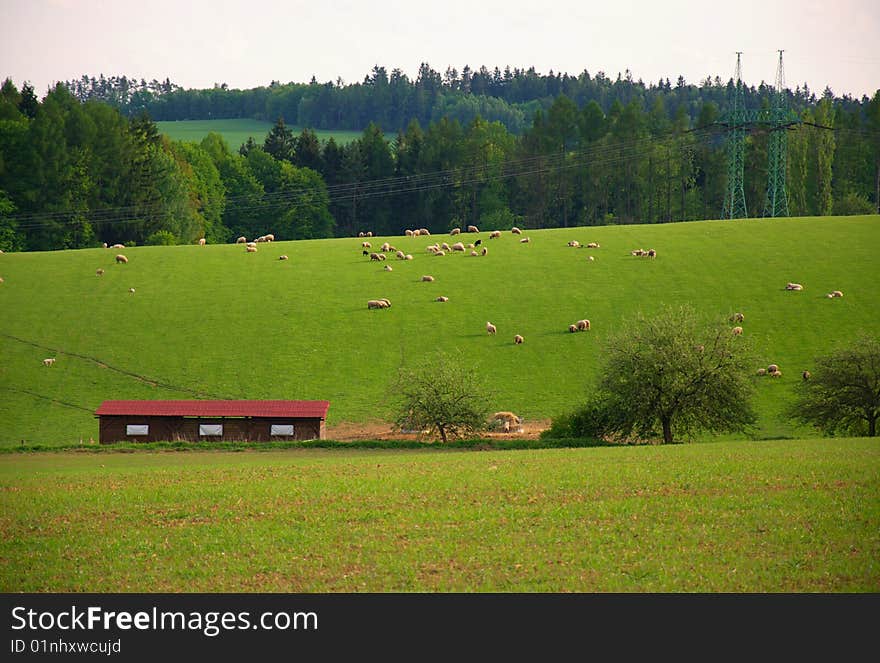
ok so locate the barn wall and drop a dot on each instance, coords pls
(112, 429)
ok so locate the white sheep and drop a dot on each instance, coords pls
(762, 371)
(593, 245)
(524, 240)
(427, 278)
(416, 232)
(572, 328)
(473, 229)
(424, 231)
(400, 255)
(441, 298)
(737, 317)
(490, 328)
(590, 258)
(252, 249)
(455, 231)
(131, 291)
(495, 234)
(445, 247)
(583, 325)
(408, 232)
(378, 303)
(772, 368)
(387, 268)
(485, 251)
(118, 246)
(516, 231)
(576, 244)
(439, 253)
(241, 240)
(270, 238)
(737, 331)
(282, 257)
(251, 244)
(794, 286)
(386, 247)
(48, 361)
(369, 233)
(474, 253)
(99, 271)
(518, 339)
(458, 246)
(121, 259)
(409, 256)
(366, 245)
(361, 234)
(202, 241)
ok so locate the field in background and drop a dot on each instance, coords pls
(217, 322)
(236, 132)
(769, 516)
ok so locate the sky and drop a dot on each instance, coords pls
(199, 43)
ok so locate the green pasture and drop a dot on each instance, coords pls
(236, 132)
(217, 322)
(737, 516)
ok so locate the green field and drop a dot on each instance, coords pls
(746, 516)
(236, 132)
(215, 321)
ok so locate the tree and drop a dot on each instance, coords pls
(843, 391)
(673, 371)
(280, 142)
(442, 397)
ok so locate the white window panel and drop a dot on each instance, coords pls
(137, 429)
(281, 429)
(210, 430)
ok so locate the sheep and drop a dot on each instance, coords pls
(251, 244)
(593, 245)
(772, 368)
(202, 241)
(473, 229)
(455, 231)
(478, 242)
(652, 253)
(131, 291)
(574, 243)
(427, 278)
(524, 240)
(369, 233)
(48, 361)
(490, 328)
(518, 339)
(282, 257)
(495, 234)
(762, 371)
(118, 246)
(365, 252)
(806, 375)
(408, 232)
(516, 231)
(737, 331)
(377, 256)
(387, 268)
(474, 253)
(776, 374)
(361, 234)
(378, 303)
(99, 271)
(737, 317)
(471, 245)
(416, 232)
(583, 325)
(270, 238)
(484, 251)
(458, 246)
(386, 302)
(241, 240)
(121, 259)
(103, 246)
(252, 249)
(386, 247)
(836, 293)
(400, 255)
(439, 253)
(261, 238)
(366, 245)
(794, 286)
(572, 328)
(409, 256)
(445, 247)
(424, 231)
(441, 298)
(590, 258)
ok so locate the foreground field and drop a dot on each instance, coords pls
(236, 132)
(772, 516)
(217, 322)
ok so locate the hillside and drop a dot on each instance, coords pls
(236, 132)
(215, 321)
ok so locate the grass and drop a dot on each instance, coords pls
(746, 516)
(215, 321)
(236, 132)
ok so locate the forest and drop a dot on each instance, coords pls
(86, 164)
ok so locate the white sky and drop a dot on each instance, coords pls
(198, 43)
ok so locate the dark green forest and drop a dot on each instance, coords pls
(85, 164)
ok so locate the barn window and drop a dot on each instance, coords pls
(281, 429)
(210, 430)
(137, 429)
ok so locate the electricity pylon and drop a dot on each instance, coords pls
(779, 120)
(735, 120)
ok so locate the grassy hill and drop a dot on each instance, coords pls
(215, 321)
(236, 132)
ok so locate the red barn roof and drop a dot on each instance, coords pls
(285, 409)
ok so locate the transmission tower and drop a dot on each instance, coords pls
(734, 196)
(779, 121)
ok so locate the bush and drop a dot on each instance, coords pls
(161, 238)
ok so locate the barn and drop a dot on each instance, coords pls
(208, 421)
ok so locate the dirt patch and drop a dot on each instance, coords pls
(346, 431)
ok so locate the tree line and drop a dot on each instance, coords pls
(77, 173)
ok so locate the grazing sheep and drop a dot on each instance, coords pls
(241, 240)
(400, 255)
(590, 258)
(652, 253)
(484, 251)
(103, 246)
(376, 256)
(572, 328)
(478, 242)
(458, 246)
(593, 245)
(776, 374)
(524, 240)
(252, 249)
(439, 253)
(583, 325)
(445, 247)
(416, 232)
(518, 339)
(762, 371)
(495, 234)
(737, 317)
(99, 271)
(474, 253)
(424, 231)
(574, 243)
(408, 232)
(378, 303)
(361, 234)
(365, 252)
(369, 233)
(836, 293)
(441, 298)
(516, 231)
(131, 291)
(427, 278)
(366, 245)
(270, 238)
(118, 246)
(387, 268)
(737, 331)
(253, 244)
(471, 245)
(772, 368)
(473, 229)
(806, 375)
(490, 328)
(794, 286)
(409, 256)
(202, 241)
(121, 259)
(48, 361)
(455, 231)
(282, 257)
